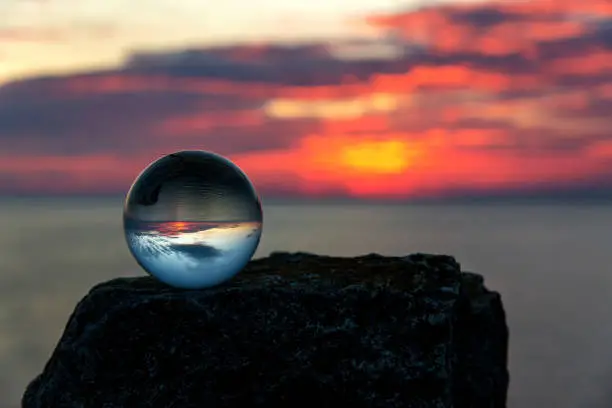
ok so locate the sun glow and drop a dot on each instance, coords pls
(382, 157)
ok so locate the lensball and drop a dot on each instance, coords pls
(192, 219)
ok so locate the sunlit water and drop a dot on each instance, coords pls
(551, 263)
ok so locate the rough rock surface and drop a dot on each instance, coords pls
(290, 330)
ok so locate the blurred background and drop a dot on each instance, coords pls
(476, 129)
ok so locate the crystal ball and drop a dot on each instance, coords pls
(192, 219)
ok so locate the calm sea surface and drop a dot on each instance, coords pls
(551, 263)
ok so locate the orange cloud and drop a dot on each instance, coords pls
(332, 108)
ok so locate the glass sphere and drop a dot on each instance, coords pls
(192, 219)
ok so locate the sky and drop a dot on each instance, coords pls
(375, 99)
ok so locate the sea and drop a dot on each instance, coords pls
(550, 261)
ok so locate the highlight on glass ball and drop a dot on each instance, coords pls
(192, 219)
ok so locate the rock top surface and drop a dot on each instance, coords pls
(291, 329)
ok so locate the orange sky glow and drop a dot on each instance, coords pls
(475, 98)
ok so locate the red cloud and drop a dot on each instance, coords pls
(496, 28)
(211, 120)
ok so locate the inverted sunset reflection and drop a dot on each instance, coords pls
(192, 219)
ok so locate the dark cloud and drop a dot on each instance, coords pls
(96, 123)
(298, 65)
(197, 64)
(485, 17)
(129, 123)
(596, 38)
(50, 116)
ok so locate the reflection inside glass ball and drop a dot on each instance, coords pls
(192, 219)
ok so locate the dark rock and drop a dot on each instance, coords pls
(290, 330)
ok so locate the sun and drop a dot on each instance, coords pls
(378, 157)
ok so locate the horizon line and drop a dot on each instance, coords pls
(558, 198)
